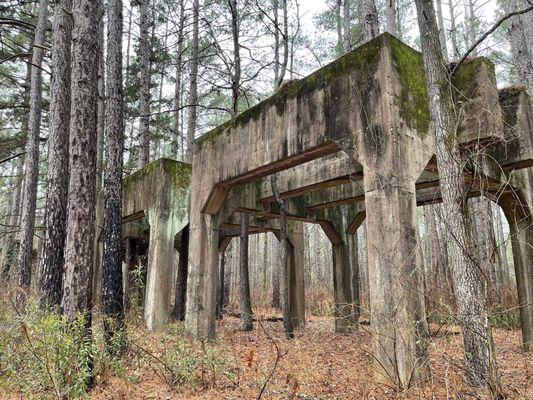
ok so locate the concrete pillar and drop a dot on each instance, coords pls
(159, 273)
(296, 274)
(342, 252)
(396, 319)
(355, 278)
(202, 282)
(517, 207)
(521, 232)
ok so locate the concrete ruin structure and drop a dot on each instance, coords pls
(351, 142)
(155, 208)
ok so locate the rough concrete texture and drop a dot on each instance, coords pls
(158, 192)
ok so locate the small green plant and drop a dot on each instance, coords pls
(180, 363)
(42, 355)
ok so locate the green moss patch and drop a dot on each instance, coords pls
(361, 61)
(413, 100)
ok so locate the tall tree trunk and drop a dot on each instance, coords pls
(346, 26)
(236, 76)
(285, 43)
(442, 31)
(31, 165)
(467, 279)
(193, 82)
(178, 311)
(10, 247)
(77, 278)
(57, 164)
(144, 91)
(392, 20)
(502, 245)
(177, 132)
(520, 33)
(112, 289)
(369, 19)
(284, 262)
(101, 101)
(275, 5)
(221, 276)
(245, 301)
(453, 30)
(276, 302)
(471, 26)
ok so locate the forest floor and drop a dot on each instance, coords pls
(317, 364)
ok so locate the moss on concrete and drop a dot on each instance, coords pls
(413, 100)
(180, 173)
(362, 62)
(464, 79)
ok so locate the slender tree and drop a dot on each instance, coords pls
(346, 23)
(144, 91)
(236, 75)
(221, 275)
(283, 261)
(177, 132)
(391, 11)
(31, 165)
(10, 246)
(112, 295)
(467, 278)
(520, 32)
(369, 19)
(57, 165)
(193, 82)
(101, 101)
(442, 30)
(244, 277)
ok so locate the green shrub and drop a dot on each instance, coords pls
(43, 356)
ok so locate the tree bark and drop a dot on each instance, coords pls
(193, 83)
(10, 247)
(101, 102)
(453, 30)
(57, 164)
(442, 31)
(177, 132)
(391, 11)
(112, 289)
(520, 32)
(221, 275)
(31, 165)
(502, 245)
(275, 6)
(244, 277)
(236, 76)
(346, 26)
(369, 19)
(276, 303)
(178, 311)
(77, 278)
(284, 262)
(468, 282)
(285, 43)
(144, 90)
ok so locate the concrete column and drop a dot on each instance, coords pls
(517, 209)
(396, 319)
(345, 321)
(296, 274)
(159, 273)
(522, 244)
(202, 282)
